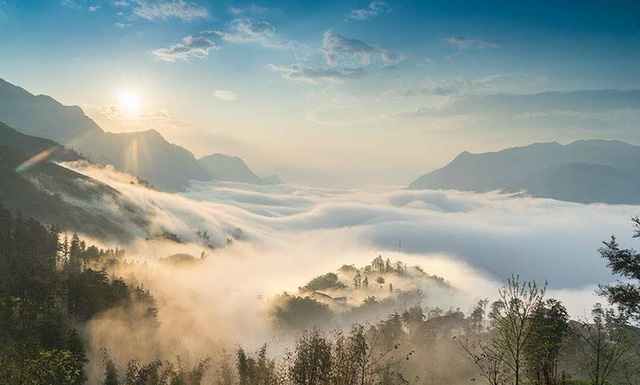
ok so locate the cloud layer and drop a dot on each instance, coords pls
(540, 239)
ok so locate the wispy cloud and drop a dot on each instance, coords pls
(240, 31)
(338, 49)
(192, 46)
(345, 52)
(249, 31)
(463, 43)
(91, 6)
(374, 9)
(169, 9)
(300, 73)
(254, 9)
(450, 88)
(225, 95)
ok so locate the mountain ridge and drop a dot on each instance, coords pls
(146, 154)
(530, 168)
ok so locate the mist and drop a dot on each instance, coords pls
(273, 239)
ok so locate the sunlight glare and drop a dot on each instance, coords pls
(130, 103)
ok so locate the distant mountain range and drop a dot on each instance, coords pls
(145, 154)
(585, 171)
(233, 169)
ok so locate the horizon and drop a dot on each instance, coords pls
(364, 91)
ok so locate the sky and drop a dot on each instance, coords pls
(360, 91)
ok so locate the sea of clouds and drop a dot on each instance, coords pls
(291, 233)
(476, 241)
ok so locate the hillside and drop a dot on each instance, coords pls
(584, 171)
(357, 294)
(56, 195)
(43, 116)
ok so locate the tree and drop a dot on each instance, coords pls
(489, 360)
(603, 344)
(511, 316)
(626, 263)
(475, 322)
(255, 371)
(549, 330)
(310, 363)
(357, 280)
(380, 281)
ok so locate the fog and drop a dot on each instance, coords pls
(292, 233)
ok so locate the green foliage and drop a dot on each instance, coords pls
(258, 370)
(298, 313)
(549, 331)
(328, 281)
(311, 361)
(511, 316)
(624, 262)
(45, 288)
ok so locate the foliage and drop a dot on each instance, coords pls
(603, 344)
(625, 262)
(46, 290)
(258, 370)
(511, 316)
(298, 313)
(549, 331)
(328, 281)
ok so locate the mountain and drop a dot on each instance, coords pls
(233, 169)
(54, 194)
(43, 116)
(585, 171)
(149, 156)
(145, 154)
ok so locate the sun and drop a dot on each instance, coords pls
(129, 102)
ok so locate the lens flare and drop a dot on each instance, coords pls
(24, 166)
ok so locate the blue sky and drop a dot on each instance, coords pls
(355, 90)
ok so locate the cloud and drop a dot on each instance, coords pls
(87, 5)
(225, 95)
(460, 88)
(293, 233)
(498, 234)
(374, 9)
(298, 72)
(446, 88)
(254, 9)
(169, 9)
(240, 31)
(598, 101)
(338, 49)
(390, 60)
(463, 43)
(121, 4)
(192, 46)
(250, 31)
(119, 112)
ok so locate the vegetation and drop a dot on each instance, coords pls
(51, 285)
(47, 290)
